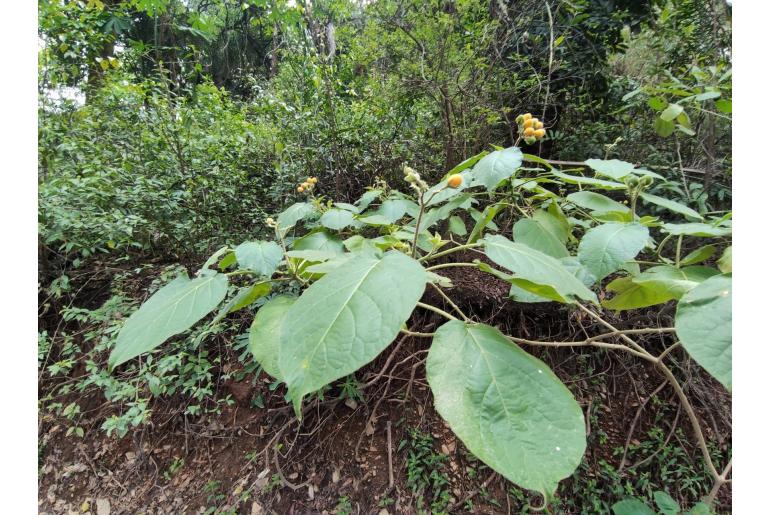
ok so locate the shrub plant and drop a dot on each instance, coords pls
(579, 237)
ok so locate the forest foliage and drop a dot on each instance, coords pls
(300, 154)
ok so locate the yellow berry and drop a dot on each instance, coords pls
(529, 132)
(539, 125)
(526, 116)
(313, 180)
(455, 181)
(539, 133)
(300, 189)
(529, 123)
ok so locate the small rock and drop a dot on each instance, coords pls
(293, 475)
(335, 476)
(256, 508)
(383, 512)
(102, 507)
(351, 403)
(310, 492)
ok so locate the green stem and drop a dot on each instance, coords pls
(450, 302)
(678, 249)
(417, 225)
(449, 265)
(450, 251)
(662, 243)
(416, 334)
(436, 310)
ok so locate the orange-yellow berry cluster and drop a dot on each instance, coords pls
(530, 128)
(308, 185)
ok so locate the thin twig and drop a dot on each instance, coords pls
(450, 302)
(436, 310)
(390, 456)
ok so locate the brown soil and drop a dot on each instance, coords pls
(341, 450)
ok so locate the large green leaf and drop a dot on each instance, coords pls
(319, 240)
(499, 165)
(294, 214)
(697, 229)
(393, 209)
(345, 319)
(537, 235)
(666, 504)
(171, 310)
(613, 168)
(672, 280)
(631, 506)
(337, 219)
(579, 179)
(265, 333)
(554, 220)
(367, 198)
(531, 265)
(671, 205)
(698, 255)
(505, 405)
(262, 257)
(704, 321)
(631, 295)
(595, 201)
(604, 249)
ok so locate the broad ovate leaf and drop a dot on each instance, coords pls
(265, 333)
(704, 322)
(262, 257)
(499, 165)
(631, 506)
(613, 168)
(532, 266)
(697, 229)
(170, 311)
(319, 240)
(505, 405)
(674, 281)
(632, 295)
(590, 181)
(393, 209)
(595, 202)
(367, 198)
(666, 504)
(337, 219)
(294, 214)
(345, 319)
(671, 205)
(605, 248)
(537, 235)
(698, 255)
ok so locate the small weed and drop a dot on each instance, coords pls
(344, 507)
(425, 472)
(174, 468)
